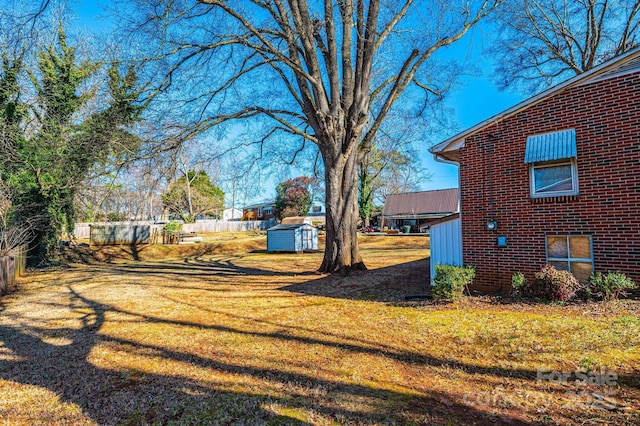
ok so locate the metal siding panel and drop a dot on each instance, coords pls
(280, 240)
(551, 146)
(445, 244)
(290, 238)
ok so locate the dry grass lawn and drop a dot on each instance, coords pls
(224, 333)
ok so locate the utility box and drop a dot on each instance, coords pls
(298, 238)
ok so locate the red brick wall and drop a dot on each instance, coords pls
(266, 214)
(606, 117)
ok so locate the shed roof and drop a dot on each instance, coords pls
(296, 219)
(442, 201)
(288, 227)
(626, 63)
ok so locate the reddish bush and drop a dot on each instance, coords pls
(552, 284)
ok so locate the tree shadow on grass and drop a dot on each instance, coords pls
(96, 255)
(189, 268)
(121, 395)
(92, 255)
(388, 284)
(194, 266)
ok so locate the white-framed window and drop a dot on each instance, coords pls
(259, 212)
(551, 179)
(552, 163)
(573, 253)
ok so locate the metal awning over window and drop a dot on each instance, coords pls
(551, 146)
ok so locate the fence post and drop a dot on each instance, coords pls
(12, 266)
(7, 273)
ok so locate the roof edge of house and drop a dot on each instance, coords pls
(426, 190)
(445, 219)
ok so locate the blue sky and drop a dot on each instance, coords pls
(474, 100)
(88, 12)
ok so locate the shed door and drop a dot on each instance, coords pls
(307, 239)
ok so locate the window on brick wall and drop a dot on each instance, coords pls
(550, 179)
(571, 253)
(552, 164)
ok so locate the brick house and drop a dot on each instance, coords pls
(264, 210)
(554, 179)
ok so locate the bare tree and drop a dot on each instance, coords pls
(321, 72)
(392, 165)
(22, 16)
(144, 184)
(134, 193)
(24, 24)
(543, 42)
(241, 180)
(12, 233)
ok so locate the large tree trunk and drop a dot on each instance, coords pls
(341, 178)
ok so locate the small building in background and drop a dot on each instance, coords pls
(317, 209)
(264, 210)
(231, 214)
(317, 213)
(297, 237)
(418, 209)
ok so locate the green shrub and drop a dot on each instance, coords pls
(609, 286)
(172, 226)
(518, 282)
(451, 281)
(552, 284)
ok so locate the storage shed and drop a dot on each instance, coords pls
(297, 238)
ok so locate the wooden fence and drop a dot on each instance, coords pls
(11, 267)
(223, 226)
(82, 231)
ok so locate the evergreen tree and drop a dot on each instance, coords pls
(194, 195)
(52, 154)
